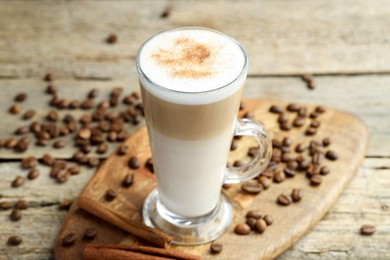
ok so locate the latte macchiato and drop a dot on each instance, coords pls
(190, 122)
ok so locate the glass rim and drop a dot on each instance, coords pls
(242, 73)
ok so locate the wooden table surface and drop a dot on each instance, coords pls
(345, 44)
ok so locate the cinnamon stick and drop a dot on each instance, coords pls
(126, 252)
(136, 228)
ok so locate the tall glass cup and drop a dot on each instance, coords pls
(191, 82)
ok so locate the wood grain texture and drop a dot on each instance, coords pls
(292, 222)
(282, 37)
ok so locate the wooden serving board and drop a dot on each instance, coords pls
(349, 138)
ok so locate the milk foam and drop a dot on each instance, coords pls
(177, 63)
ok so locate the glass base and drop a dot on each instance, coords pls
(187, 231)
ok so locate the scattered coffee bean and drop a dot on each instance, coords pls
(264, 181)
(216, 248)
(252, 187)
(128, 180)
(287, 157)
(123, 149)
(251, 222)
(296, 195)
(276, 109)
(33, 174)
(261, 226)
(47, 159)
(326, 142)
(289, 172)
(21, 204)
(49, 77)
(20, 97)
(16, 215)
(300, 148)
(112, 39)
(65, 204)
(292, 165)
(320, 109)
(18, 181)
(286, 142)
(268, 219)
(51, 89)
(62, 176)
(256, 214)
(28, 114)
(14, 240)
(315, 124)
(22, 130)
(69, 239)
(285, 127)
(314, 115)
(293, 107)
(59, 144)
(134, 163)
(93, 162)
(149, 165)
(93, 93)
(279, 176)
(14, 109)
(110, 195)
(311, 131)
(283, 118)
(242, 229)
(315, 180)
(302, 112)
(367, 229)
(6, 205)
(52, 116)
(74, 170)
(84, 133)
(102, 148)
(284, 200)
(166, 13)
(90, 233)
(238, 163)
(331, 155)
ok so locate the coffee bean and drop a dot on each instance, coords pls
(112, 39)
(74, 170)
(283, 118)
(59, 144)
(314, 115)
(315, 180)
(65, 204)
(112, 136)
(293, 107)
(256, 214)
(6, 205)
(285, 127)
(302, 112)
(289, 172)
(18, 181)
(110, 195)
(128, 180)
(14, 109)
(102, 148)
(276, 109)
(261, 226)
(28, 114)
(284, 200)
(268, 219)
(16, 215)
(292, 165)
(252, 187)
(62, 176)
(324, 170)
(84, 133)
(216, 248)
(20, 97)
(90, 233)
(367, 229)
(149, 165)
(320, 109)
(307, 77)
(69, 239)
(14, 240)
(10, 143)
(33, 174)
(51, 89)
(47, 159)
(326, 142)
(52, 116)
(251, 222)
(300, 148)
(93, 93)
(279, 176)
(21, 204)
(242, 229)
(123, 149)
(311, 131)
(286, 142)
(276, 143)
(49, 77)
(331, 155)
(87, 104)
(264, 181)
(238, 163)
(134, 163)
(296, 195)
(93, 162)
(315, 124)
(166, 13)
(286, 157)
(22, 130)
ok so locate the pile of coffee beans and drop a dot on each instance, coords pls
(255, 221)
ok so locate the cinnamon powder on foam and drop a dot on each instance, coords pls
(188, 59)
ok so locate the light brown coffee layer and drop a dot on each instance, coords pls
(190, 122)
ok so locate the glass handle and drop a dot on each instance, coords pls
(260, 161)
